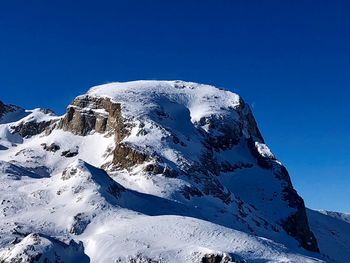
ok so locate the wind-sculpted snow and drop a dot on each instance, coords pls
(148, 171)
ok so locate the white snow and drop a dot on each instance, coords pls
(138, 97)
(118, 232)
(264, 150)
(177, 239)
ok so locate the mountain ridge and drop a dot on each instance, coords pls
(190, 149)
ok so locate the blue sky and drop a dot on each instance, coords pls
(289, 59)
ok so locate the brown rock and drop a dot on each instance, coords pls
(85, 114)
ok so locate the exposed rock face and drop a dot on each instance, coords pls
(296, 224)
(125, 157)
(70, 153)
(222, 258)
(34, 122)
(31, 128)
(223, 133)
(80, 222)
(86, 114)
(229, 132)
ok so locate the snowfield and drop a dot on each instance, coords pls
(50, 205)
(193, 182)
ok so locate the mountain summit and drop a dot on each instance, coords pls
(148, 171)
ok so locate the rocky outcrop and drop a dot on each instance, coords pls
(140, 258)
(221, 133)
(297, 225)
(86, 114)
(53, 147)
(70, 153)
(221, 258)
(125, 156)
(250, 127)
(80, 222)
(41, 248)
(31, 128)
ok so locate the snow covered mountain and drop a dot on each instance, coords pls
(151, 171)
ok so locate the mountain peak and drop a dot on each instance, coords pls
(196, 132)
(152, 152)
(139, 96)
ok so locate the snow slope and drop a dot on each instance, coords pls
(85, 204)
(338, 215)
(332, 233)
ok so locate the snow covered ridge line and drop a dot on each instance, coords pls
(169, 171)
(201, 100)
(338, 215)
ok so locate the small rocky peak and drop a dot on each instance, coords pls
(35, 122)
(42, 248)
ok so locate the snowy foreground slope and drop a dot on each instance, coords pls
(152, 171)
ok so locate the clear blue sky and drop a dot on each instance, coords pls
(289, 59)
